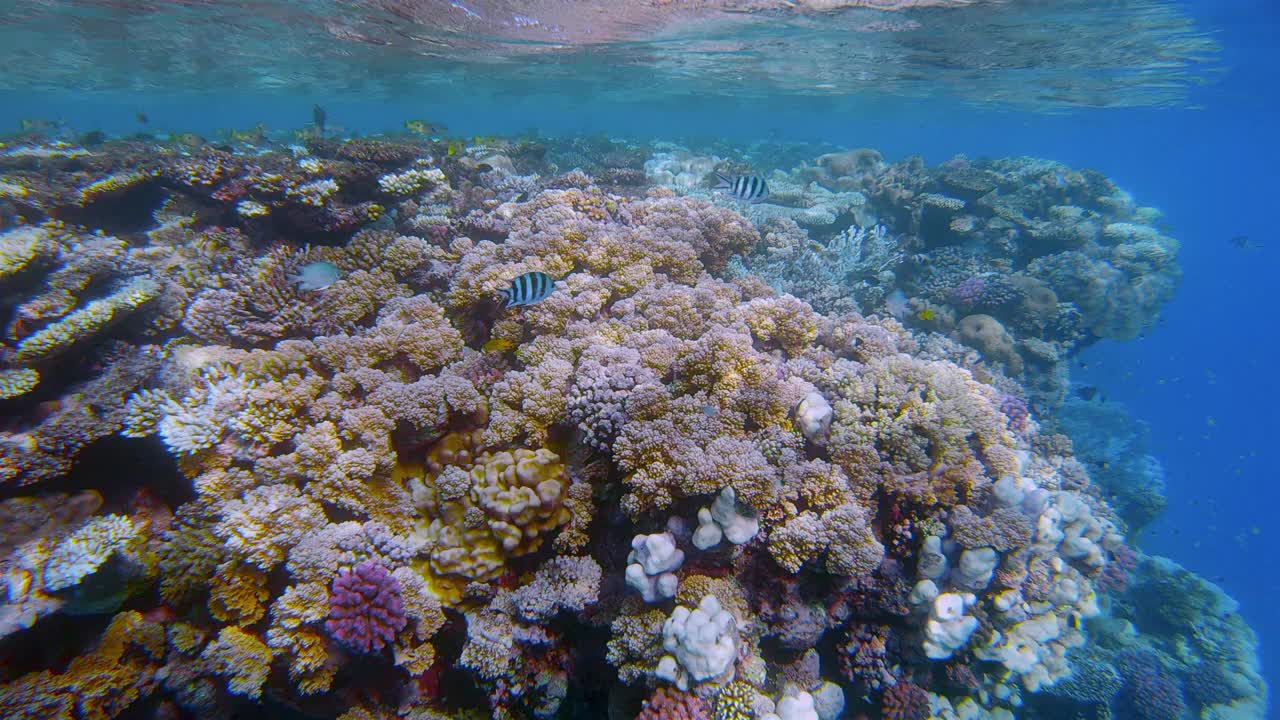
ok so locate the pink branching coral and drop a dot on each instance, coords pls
(365, 608)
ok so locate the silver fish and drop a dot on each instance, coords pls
(316, 276)
(527, 289)
(747, 188)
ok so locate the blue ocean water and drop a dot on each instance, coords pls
(1202, 380)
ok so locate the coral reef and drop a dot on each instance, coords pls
(780, 461)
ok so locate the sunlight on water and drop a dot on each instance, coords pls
(637, 360)
(1021, 54)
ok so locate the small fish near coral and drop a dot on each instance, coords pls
(528, 289)
(422, 127)
(315, 276)
(747, 188)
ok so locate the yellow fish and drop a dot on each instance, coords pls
(422, 127)
(926, 314)
(253, 135)
(499, 344)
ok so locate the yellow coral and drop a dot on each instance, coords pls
(112, 185)
(17, 382)
(238, 594)
(20, 247)
(88, 321)
(96, 686)
(735, 701)
(312, 667)
(240, 657)
(513, 501)
(522, 494)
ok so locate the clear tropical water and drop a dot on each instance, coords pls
(1173, 101)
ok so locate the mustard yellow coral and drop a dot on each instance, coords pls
(238, 594)
(17, 382)
(87, 322)
(240, 657)
(503, 505)
(98, 685)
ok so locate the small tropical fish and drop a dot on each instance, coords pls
(316, 276)
(142, 118)
(926, 314)
(422, 127)
(318, 117)
(1087, 392)
(39, 125)
(188, 140)
(528, 289)
(499, 344)
(1245, 243)
(253, 136)
(897, 304)
(747, 188)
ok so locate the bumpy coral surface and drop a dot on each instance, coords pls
(365, 608)
(776, 460)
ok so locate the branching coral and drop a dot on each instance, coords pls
(382, 456)
(98, 685)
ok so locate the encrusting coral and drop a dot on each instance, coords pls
(396, 499)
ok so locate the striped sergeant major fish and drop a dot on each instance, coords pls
(527, 289)
(747, 188)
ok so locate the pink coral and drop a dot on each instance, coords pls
(365, 608)
(905, 701)
(668, 704)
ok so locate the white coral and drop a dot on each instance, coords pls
(703, 644)
(82, 552)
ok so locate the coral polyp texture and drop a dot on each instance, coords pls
(807, 458)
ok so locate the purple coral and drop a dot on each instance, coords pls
(605, 378)
(365, 608)
(1015, 408)
(1153, 696)
(1114, 577)
(868, 654)
(967, 292)
(1148, 693)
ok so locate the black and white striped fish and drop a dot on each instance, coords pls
(747, 188)
(527, 289)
